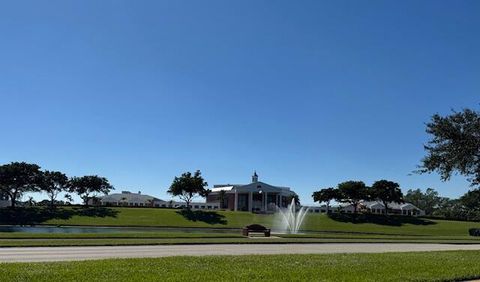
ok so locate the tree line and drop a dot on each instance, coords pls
(18, 178)
(466, 207)
(353, 192)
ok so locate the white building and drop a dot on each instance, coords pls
(375, 207)
(393, 208)
(129, 199)
(254, 197)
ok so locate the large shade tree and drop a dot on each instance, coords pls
(471, 200)
(353, 192)
(89, 187)
(429, 201)
(188, 186)
(454, 146)
(18, 178)
(326, 195)
(54, 182)
(387, 192)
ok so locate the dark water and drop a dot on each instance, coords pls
(75, 229)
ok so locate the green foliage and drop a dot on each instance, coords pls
(428, 201)
(471, 200)
(18, 178)
(188, 186)
(417, 266)
(454, 146)
(326, 195)
(353, 192)
(54, 182)
(295, 199)
(88, 187)
(386, 191)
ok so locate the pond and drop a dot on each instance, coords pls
(89, 229)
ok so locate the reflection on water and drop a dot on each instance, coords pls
(75, 229)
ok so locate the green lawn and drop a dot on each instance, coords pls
(322, 228)
(421, 266)
(313, 222)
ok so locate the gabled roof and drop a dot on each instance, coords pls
(391, 205)
(128, 197)
(255, 186)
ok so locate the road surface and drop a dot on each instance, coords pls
(40, 254)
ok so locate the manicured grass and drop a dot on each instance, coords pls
(313, 222)
(341, 228)
(26, 235)
(102, 241)
(421, 266)
(167, 218)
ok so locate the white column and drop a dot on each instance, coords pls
(250, 201)
(266, 201)
(235, 205)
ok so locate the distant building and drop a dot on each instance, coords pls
(393, 208)
(254, 197)
(374, 207)
(129, 199)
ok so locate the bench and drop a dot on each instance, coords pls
(255, 228)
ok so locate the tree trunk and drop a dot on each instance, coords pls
(328, 207)
(13, 199)
(386, 207)
(52, 201)
(86, 200)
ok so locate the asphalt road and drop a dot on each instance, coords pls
(40, 254)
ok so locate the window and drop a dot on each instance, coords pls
(196, 206)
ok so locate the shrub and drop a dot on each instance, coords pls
(474, 231)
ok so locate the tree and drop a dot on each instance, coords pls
(295, 199)
(454, 146)
(188, 186)
(352, 192)
(326, 195)
(69, 199)
(18, 178)
(54, 182)
(471, 200)
(428, 201)
(88, 187)
(386, 192)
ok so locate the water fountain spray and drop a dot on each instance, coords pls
(291, 219)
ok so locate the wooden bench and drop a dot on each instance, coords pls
(256, 228)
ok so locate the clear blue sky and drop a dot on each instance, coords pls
(308, 93)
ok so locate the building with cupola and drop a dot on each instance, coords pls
(257, 196)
